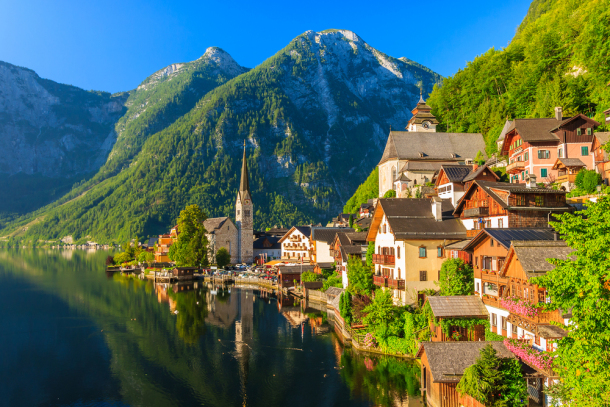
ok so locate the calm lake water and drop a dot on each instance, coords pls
(73, 335)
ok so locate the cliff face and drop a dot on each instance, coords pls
(51, 129)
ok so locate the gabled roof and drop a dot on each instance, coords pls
(568, 162)
(356, 237)
(535, 129)
(457, 306)
(507, 126)
(304, 230)
(412, 218)
(482, 168)
(570, 119)
(295, 269)
(448, 360)
(273, 240)
(456, 173)
(424, 165)
(213, 224)
(405, 145)
(504, 237)
(603, 137)
(532, 256)
(327, 235)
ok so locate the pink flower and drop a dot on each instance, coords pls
(534, 357)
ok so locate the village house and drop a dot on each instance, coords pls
(602, 163)
(296, 244)
(567, 170)
(502, 205)
(411, 158)
(288, 276)
(321, 239)
(446, 308)
(163, 244)
(443, 365)
(267, 247)
(341, 221)
(346, 246)
(453, 180)
(366, 209)
(410, 236)
(534, 145)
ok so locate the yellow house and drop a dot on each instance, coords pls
(410, 236)
(163, 244)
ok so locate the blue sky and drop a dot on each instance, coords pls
(113, 45)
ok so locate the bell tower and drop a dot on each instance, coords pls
(423, 119)
(244, 216)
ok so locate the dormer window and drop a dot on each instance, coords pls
(421, 155)
(589, 131)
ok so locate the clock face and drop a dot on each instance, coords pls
(247, 201)
(425, 125)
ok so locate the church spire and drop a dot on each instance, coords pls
(421, 98)
(244, 185)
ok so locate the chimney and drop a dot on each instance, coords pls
(531, 181)
(555, 236)
(437, 211)
(559, 113)
(474, 167)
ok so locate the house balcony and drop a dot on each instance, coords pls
(491, 301)
(515, 167)
(380, 281)
(396, 284)
(476, 212)
(472, 233)
(571, 178)
(386, 259)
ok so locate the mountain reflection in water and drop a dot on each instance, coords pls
(75, 335)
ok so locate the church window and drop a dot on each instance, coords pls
(238, 211)
(246, 212)
(393, 174)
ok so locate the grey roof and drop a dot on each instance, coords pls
(473, 175)
(213, 224)
(402, 177)
(412, 218)
(551, 331)
(273, 240)
(333, 291)
(507, 125)
(603, 137)
(457, 306)
(405, 145)
(296, 269)
(429, 166)
(533, 254)
(535, 129)
(327, 235)
(448, 360)
(325, 265)
(364, 223)
(456, 173)
(571, 162)
(504, 237)
(357, 237)
(457, 245)
(152, 241)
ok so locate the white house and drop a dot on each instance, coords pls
(296, 244)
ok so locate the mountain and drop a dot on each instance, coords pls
(315, 118)
(558, 57)
(51, 135)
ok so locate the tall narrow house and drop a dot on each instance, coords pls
(244, 213)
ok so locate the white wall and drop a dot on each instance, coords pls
(323, 252)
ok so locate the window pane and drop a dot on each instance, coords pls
(584, 151)
(543, 172)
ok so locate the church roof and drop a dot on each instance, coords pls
(420, 146)
(213, 224)
(244, 185)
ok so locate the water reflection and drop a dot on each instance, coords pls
(145, 344)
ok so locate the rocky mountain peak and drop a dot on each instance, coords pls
(223, 60)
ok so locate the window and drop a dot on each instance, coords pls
(539, 200)
(579, 131)
(423, 275)
(422, 253)
(398, 252)
(439, 251)
(514, 329)
(560, 153)
(494, 320)
(537, 338)
(500, 223)
(476, 262)
(544, 154)
(246, 212)
(383, 229)
(491, 242)
(478, 287)
(543, 173)
(584, 151)
(589, 131)
(504, 324)
(526, 156)
(238, 211)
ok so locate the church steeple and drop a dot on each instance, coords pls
(244, 184)
(423, 119)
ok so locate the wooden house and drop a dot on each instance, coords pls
(567, 169)
(184, 273)
(443, 365)
(500, 205)
(453, 180)
(346, 246)
(457, 307)
(288, 275)
(602, 163)
(296, 244)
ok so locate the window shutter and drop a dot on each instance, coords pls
(422, 275)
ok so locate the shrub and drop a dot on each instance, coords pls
(308, 276)
(390, 194)
(456, 278)
(122, 257)
(333, 281)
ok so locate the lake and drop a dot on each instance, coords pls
(74, 335)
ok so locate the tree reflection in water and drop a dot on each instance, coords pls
(384, 380)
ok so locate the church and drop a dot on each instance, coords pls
(236, 237)
(412, 157)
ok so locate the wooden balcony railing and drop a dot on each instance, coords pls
(383, 259)
(396, 284)
(380, 281)
(476, 212)
(517, 166)
(472, 233)
(566, 178)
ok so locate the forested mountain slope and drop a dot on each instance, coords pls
(315, 118)
(559, 57)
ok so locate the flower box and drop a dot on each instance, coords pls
(519, 306)
(529, 355)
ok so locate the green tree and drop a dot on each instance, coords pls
(122, 257)
(581, 284)
(390, 193)
(457, 278)
(370, 251)
(333, 280)
(308, 276)
(351, 220)
(191, 247)
(345, 306)
(360, 277)
(223, 257)
(479, 159)
(369, 189)
(145, 257)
